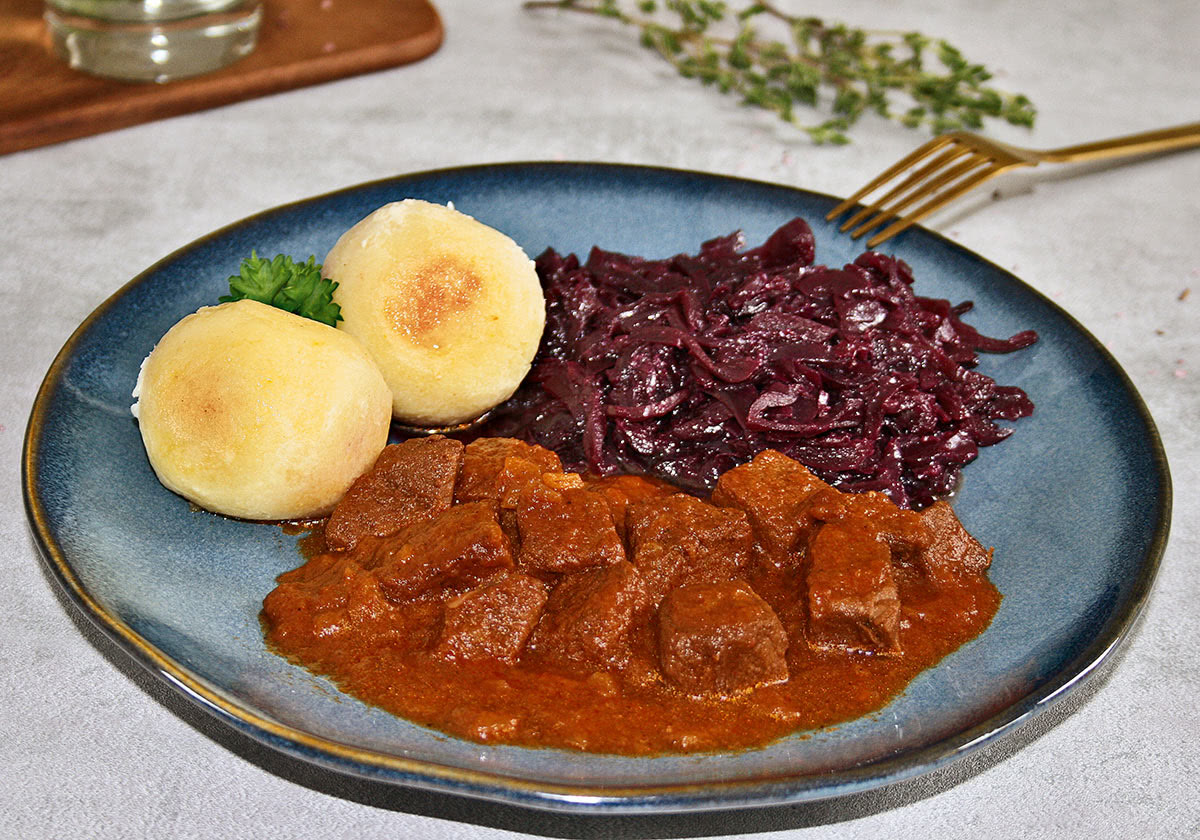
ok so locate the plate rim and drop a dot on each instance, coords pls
(578, 797)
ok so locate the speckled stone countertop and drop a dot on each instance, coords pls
(94, 747)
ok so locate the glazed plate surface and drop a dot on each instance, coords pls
(1076, 505)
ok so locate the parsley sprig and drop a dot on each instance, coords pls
(846, 72)
(282, 282)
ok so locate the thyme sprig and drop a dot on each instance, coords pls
(842, 71)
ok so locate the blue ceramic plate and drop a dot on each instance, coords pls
(1076, 504)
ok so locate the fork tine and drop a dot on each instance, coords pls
(935, 203)
(915, 157)
(945, 158)
(930, 187)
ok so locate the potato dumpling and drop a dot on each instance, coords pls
(256, 413)
(451, 309)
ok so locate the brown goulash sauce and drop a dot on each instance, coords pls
(484, 592)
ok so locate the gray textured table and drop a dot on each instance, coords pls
(93, 747)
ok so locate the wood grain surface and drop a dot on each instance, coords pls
(301, 42)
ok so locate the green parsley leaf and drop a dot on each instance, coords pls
(282, 282)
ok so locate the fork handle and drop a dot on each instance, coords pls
(1163, 140)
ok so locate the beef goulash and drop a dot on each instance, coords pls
(483, 591)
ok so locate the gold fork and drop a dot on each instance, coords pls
(964, 160)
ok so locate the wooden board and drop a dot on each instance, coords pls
(301, 42)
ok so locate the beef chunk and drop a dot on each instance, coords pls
(623, 491)
(680, 539)
(720, 638)
(951, 550)
(496, 469)
(664, 567)
(457, 550)
(853, 602)
(493, 621)
(327, 596)
(565, 527)
(411, 482)
(773, 490)
(714, 535)
(903, 530)
(587, 621)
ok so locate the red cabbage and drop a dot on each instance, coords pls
(685, 367)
